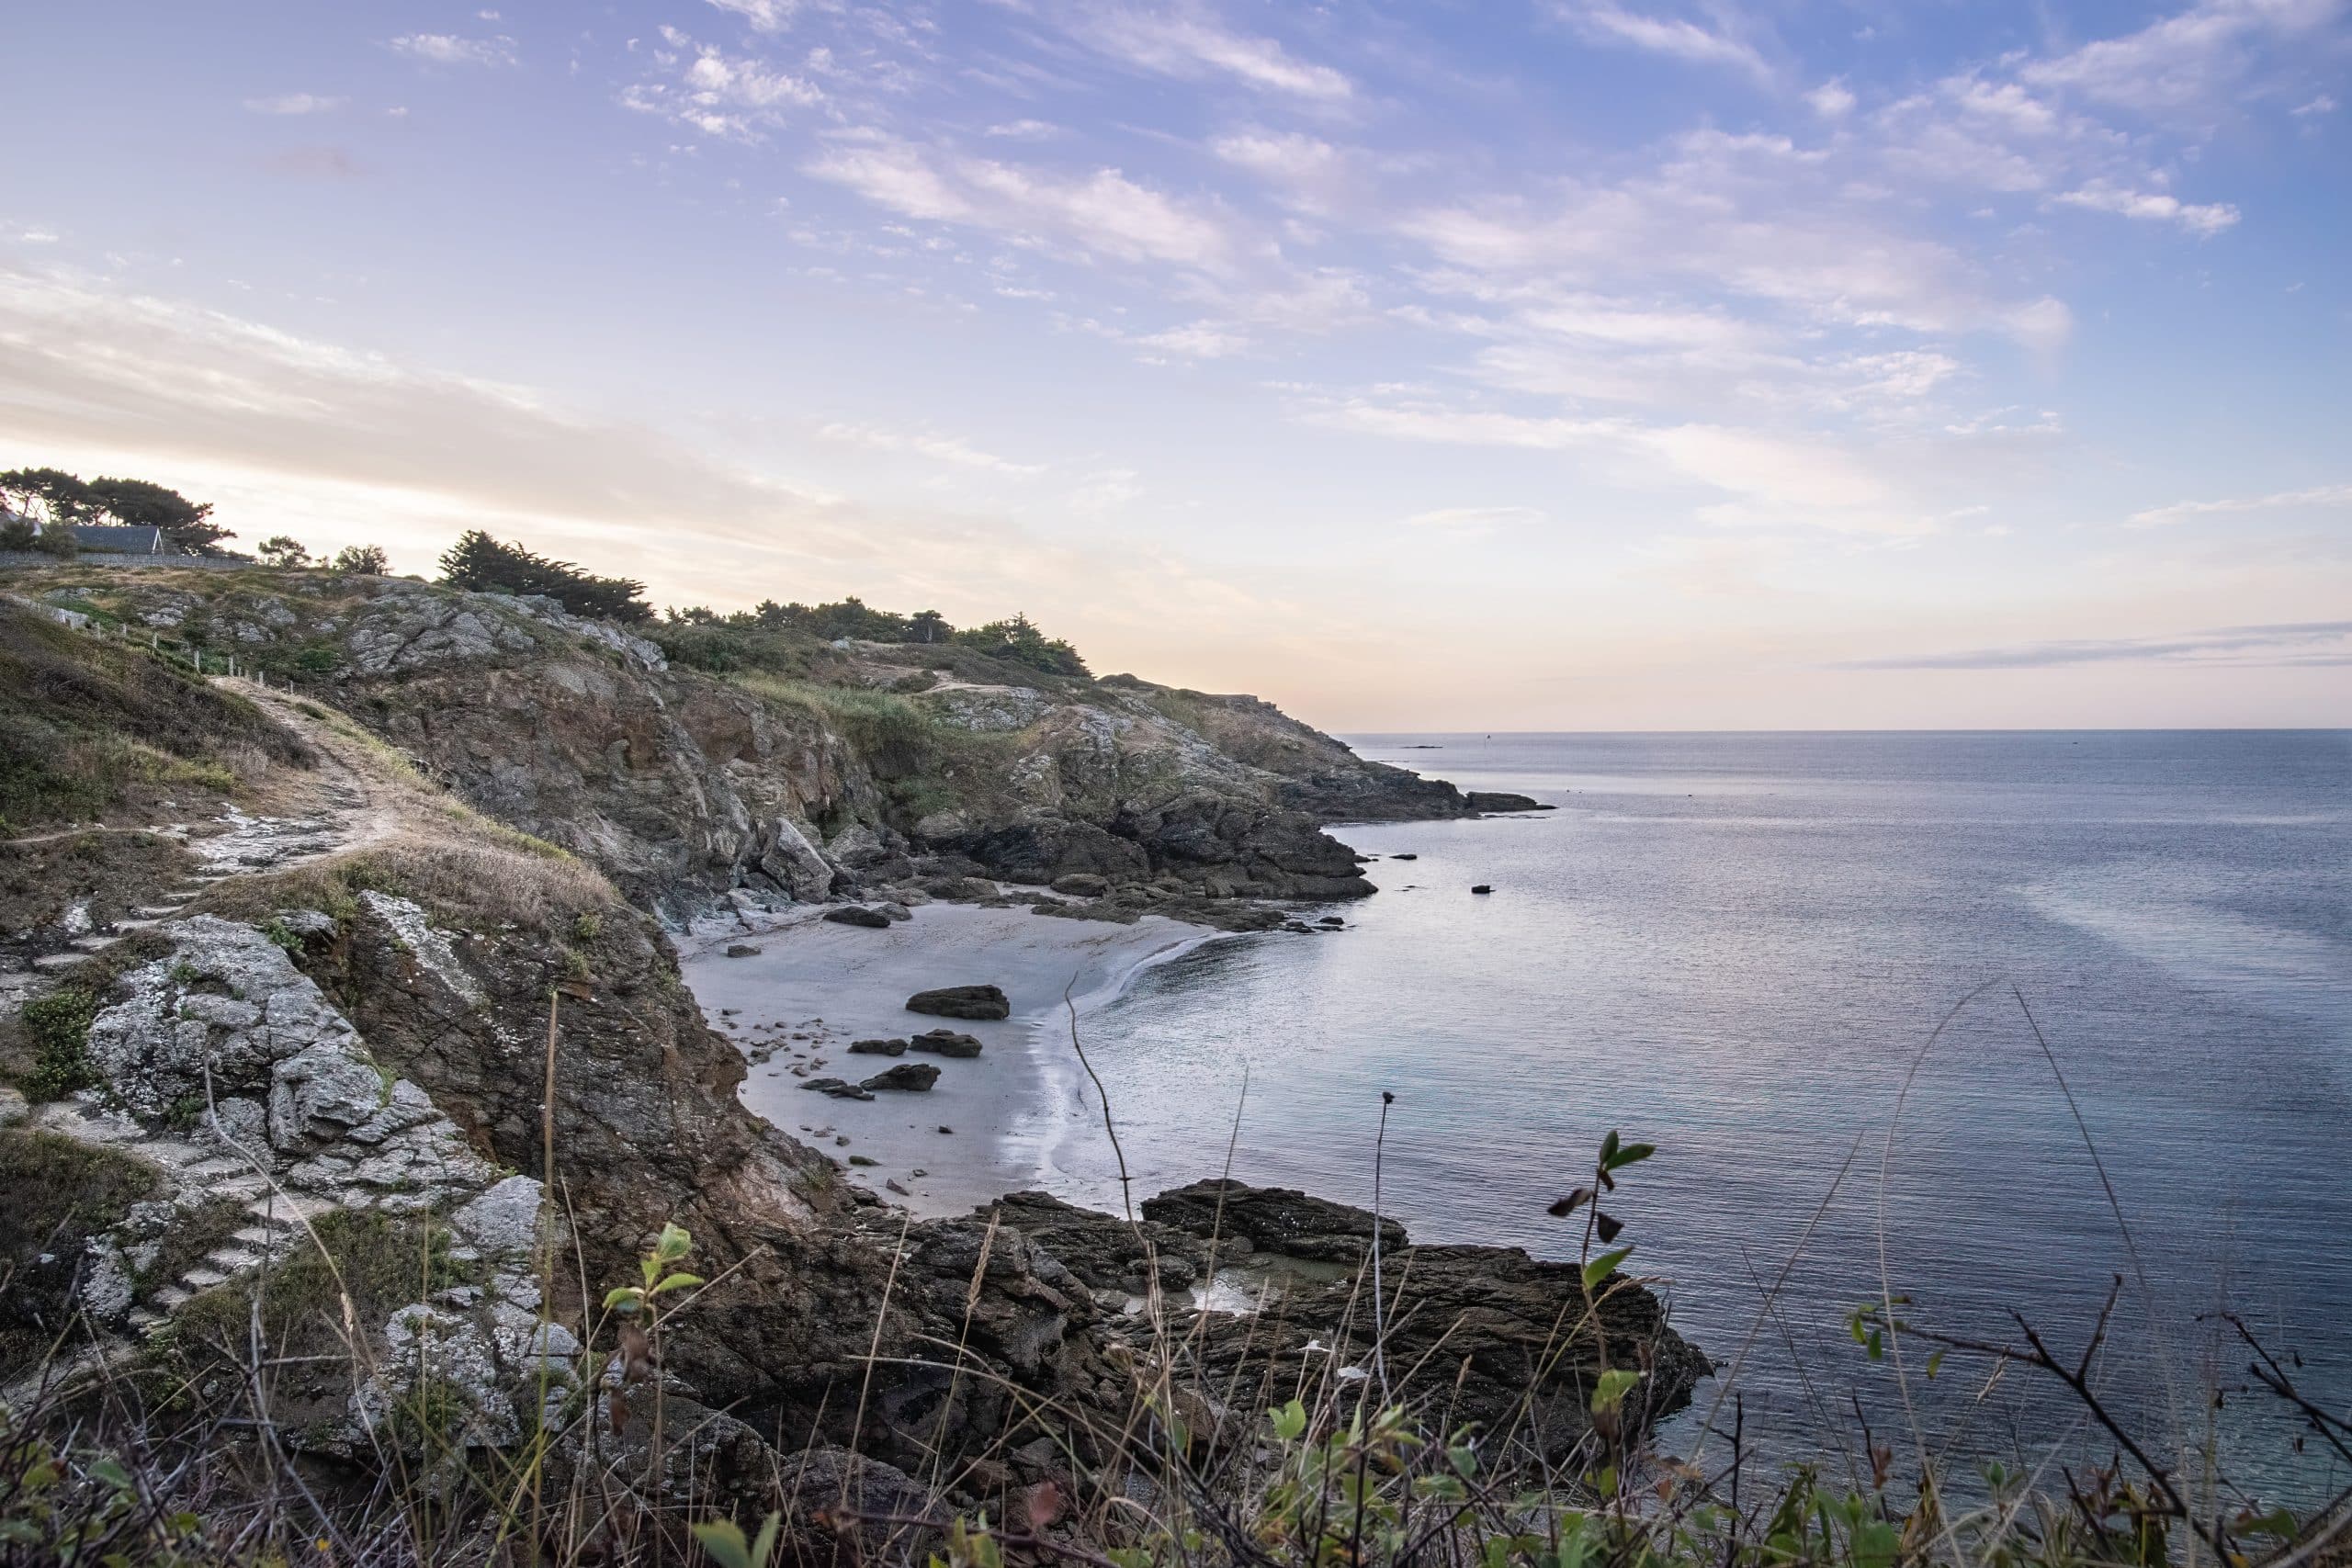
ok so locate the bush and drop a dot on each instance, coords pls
(367, 560)
(58, 1027)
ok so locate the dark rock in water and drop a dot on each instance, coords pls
(895, 911)
(911, 1076)
(1408, 855)
(839, 1088)
(1333, 921)
(1081, 885)
(1483, 887)
(857, 915)
(942, 1042)
(962, 1001)
(1272, 1219)
(1496, 1319)
(1495, 800)
(742, 950)
(1298, 927)
(877, 1048)
(949, 1130)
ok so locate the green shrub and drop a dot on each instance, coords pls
(57, 1026)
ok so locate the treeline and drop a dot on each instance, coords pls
(489, 566)
(45, 503)
(708, 638)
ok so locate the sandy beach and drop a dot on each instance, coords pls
(814, 986)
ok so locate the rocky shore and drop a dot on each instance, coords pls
(332, 1034)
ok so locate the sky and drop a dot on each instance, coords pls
(1498, 364)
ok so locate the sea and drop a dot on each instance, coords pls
(1991, 1027)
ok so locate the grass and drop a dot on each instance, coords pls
(60, 1193)
(91, 719)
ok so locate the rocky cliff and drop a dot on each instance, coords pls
(873, 763)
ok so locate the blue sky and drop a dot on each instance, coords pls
(1562, 364)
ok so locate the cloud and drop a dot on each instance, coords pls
(2188, 61)
(1196, 340)
(1783, 479)
(1596, 21)
(939, 449)
(295, 103)
(1476, 522)
(1103, 212)
(2180, 512)
(286, 430)
(2318, 105)
(765, 16)
(1832, 100)
(448, 49)
(2303, 643)
(1025, 130)
(1189, 45)
(2152, 206)
(723, 94)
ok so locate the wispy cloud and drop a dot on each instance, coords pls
(449, 48)
(295, 103)
(2294, 643)
(2152, 206)
(1476, 522)
(1189, 44)
(2181, 510)
(765, 16)
(947, 449)
(2189, 62)
(1100, 212)
(1598, 21)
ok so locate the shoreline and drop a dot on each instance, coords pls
(815, 986)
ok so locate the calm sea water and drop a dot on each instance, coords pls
(1737, 947)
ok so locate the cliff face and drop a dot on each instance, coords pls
(880, 763)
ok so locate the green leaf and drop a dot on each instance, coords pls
(1600, 1267)
(764, 1547)
(1632, 1153)
(1610, 1391)
(1290, 1421)
(674, 1243)
(677, 1283)
(1935, 1363)
(1608, 1148)
(723, 1539)
(624, 1298)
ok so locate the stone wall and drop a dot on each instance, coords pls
(112, 559)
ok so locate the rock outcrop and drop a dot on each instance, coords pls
(680, 785)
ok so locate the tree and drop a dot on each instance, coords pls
(367, 560)
(283, 550)
(487, 565)
(928, 626)
(1019, 640)
(47, 495)
(186, 522)
(18, 533)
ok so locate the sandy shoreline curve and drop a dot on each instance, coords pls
(815, 986)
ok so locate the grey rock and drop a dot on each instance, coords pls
(945, 1042)
(857, 915)
(877, 1048)
(962, 1001)
(915, 1076)
(505, 1220)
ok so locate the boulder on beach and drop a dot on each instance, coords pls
(839, 1088)
(1404, 856)
(877, 1048)
(916, 1077)
(962, 1001)
(1483, 887)
(742, 950)
(1333, 921)
(1081, 885)
(942, 1042)
(857, 915)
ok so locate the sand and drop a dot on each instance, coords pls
(815, 987)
